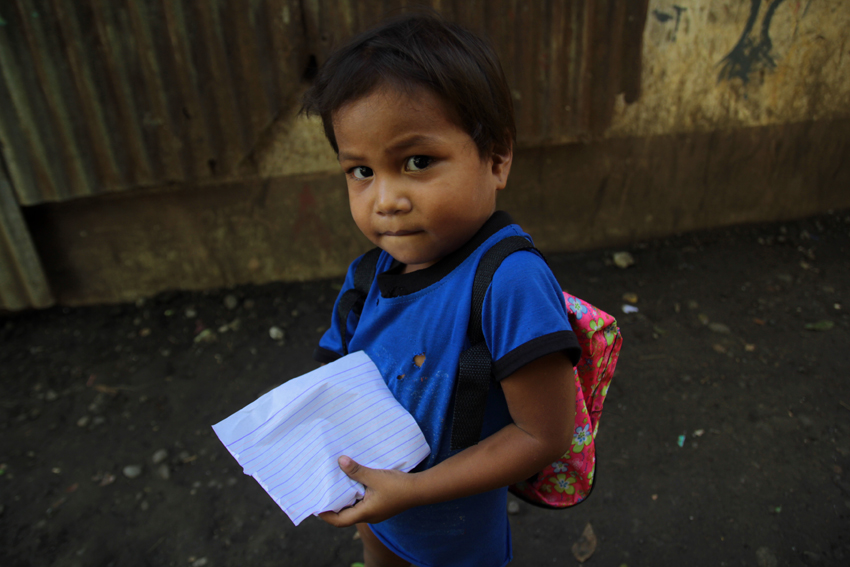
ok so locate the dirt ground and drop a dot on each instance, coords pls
(724, 439)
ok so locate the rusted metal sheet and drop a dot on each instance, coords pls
(566, 60)
(22, 280)
(109, 95)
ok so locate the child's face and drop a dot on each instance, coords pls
(417, 185)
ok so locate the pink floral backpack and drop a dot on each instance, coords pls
(569, 480)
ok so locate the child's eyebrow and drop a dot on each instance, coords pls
(342, 156)
(412, 140)
(399, 146)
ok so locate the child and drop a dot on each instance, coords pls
(420, 115)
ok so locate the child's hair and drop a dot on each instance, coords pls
(421, 51)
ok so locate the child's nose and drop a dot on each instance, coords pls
(391, 199)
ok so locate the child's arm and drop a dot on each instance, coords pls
(541, 400)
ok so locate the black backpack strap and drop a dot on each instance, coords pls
(475, 370)
(354, 298)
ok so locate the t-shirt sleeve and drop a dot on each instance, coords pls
(330, 346)
(524, 316)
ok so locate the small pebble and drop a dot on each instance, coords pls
(50, 395)
(231, 302)
(83, 421)
(276, 333)
(200, 562)
(132, 471)
(206, 336)
(513, 507)
(163, 472)
(719, 328)
(190, 313)
(623, 259)
(159, 456)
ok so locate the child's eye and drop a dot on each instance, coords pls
(416, 163)
(360, 172)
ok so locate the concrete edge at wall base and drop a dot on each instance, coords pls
(569, 198)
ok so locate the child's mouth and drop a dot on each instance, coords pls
(400, 233)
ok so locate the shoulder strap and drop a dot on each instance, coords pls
(475, 370)
(354, 298)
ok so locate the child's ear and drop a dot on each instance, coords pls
(501, 158)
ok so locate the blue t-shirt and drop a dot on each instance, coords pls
(427, 313)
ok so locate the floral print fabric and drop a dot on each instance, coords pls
(569, 480)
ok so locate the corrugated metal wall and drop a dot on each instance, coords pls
(566, 60)
(547, 48)
(22, 280)
(107, 95)
(99, 96)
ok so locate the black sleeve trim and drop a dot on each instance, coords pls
(565, 341)
(324, 355)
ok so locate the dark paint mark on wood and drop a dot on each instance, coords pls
(751, 54)
(662, 17)
(679, 10)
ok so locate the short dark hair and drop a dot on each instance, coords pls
(415, 51)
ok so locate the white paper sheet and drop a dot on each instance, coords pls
(290, 438)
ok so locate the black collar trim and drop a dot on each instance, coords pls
(393, 283)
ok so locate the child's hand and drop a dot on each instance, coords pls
(388, 493)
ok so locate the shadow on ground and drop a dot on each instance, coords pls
(724, 439)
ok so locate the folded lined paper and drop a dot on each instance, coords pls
(290, 438)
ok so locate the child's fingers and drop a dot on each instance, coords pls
(384, 498)
(348, 516)
(344, 518)
(354, 470)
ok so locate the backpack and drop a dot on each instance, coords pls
(569, 480)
